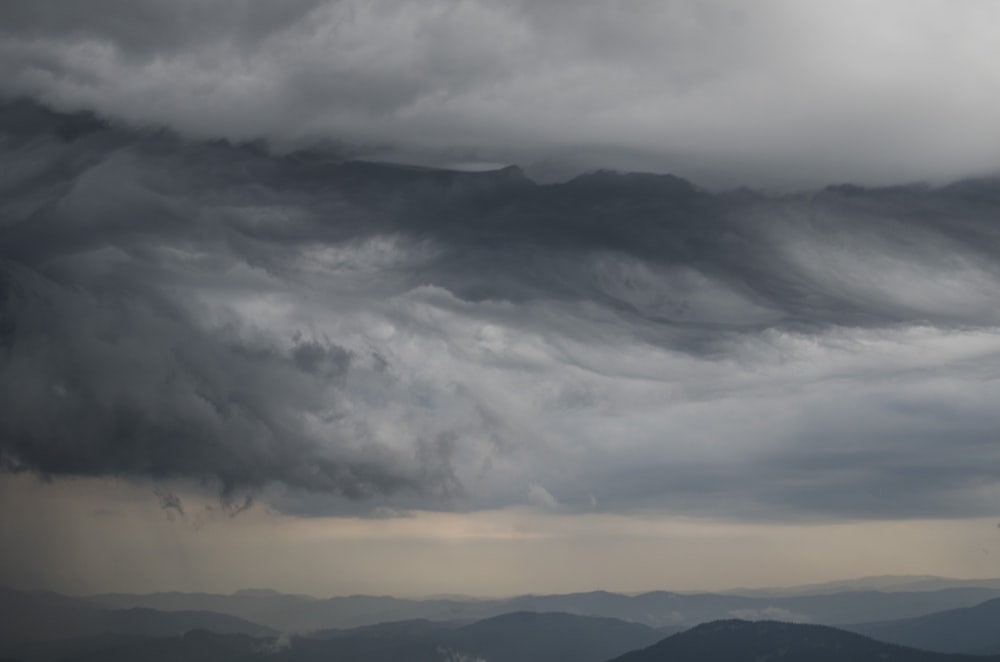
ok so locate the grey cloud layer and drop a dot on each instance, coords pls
(108, 368)
(777, 92)
(181, 309)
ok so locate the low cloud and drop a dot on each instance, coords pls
(719, 91)
(308, 329)
(770, 614)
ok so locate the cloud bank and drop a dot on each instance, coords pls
(313, 328)
(777, 93)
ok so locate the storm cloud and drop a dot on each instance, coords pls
(776, 93)
(312, 327)
(114, 366)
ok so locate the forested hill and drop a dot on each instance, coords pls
(760, 641)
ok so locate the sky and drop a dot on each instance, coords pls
(776, 93)
(707, 297)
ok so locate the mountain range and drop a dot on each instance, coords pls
(974, 630)
(655, 609)
(521, 638)
(41, 616)
(39, 626)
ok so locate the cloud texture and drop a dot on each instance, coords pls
(776, 93)
(314, 328)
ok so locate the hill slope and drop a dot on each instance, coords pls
(746, 641)
(41, 616)
(973, 630)
(518, 637)
(542, 637)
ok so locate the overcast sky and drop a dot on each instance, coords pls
(500, 380)
(779, 93)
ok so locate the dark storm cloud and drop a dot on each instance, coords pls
(683, 263)
(146, 28)
(124, 383)
(717, 90)
(107, 367)
(181, 309)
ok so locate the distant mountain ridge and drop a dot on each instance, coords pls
(974, 630)
(887, 583)
(40, 616)
(518, 637)
(511, 637)
(42, 626)
(523, 638)
(655, 609)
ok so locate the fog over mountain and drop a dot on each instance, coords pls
(343, 297)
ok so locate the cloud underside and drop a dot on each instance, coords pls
(776, 93)
(341, 335)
